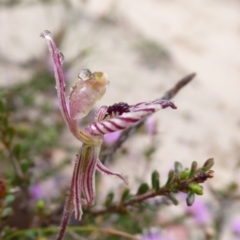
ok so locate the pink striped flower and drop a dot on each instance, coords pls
(90, 88)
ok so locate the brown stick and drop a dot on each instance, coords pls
(130, 131)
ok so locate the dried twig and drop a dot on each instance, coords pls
(130, 131)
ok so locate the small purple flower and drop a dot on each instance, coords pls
(45, 190)
(151, 236)
(154, 234)
(236, 227)
(200, 212)
(36, 192)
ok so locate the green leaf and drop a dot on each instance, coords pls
(10, 134)
(2, 108)
(208, 164)
(125, 195)
(25, 165)
(40, 205)
(17, 150)
(9, 199)
(31, 234)
(149, 206)
(196, 188)
(149, 152)
(190, 198)
(143, 188)
(6, 212)
(174, 189)
(109, 199)
(193, 170)
(178, 167)
(171, 175)
(6, 231)
(184, 174)
(155, 181)
(172, 198)
(232, 187)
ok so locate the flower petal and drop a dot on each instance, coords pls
(101, 168)
(77, 187)
(127, 119)
(100, 114)
(56, 56)
(88, 174)
(84, 178)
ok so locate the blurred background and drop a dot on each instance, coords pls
(145, 47)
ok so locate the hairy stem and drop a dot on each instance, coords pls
(68, 208)
(57, 58)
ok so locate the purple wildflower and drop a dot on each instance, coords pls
(45, 190)
(154, 234)
(89, 89)
(236, 227)
(36, 192)
(200, 212)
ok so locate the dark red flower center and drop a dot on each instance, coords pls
(117, 109)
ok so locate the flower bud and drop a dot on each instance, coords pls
(184, 174)
(196, 188)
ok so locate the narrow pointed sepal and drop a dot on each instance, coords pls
(101, 168)
(84, 178)
(57, 58)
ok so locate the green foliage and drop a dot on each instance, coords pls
(109, 199)
(6, 212)
(155, 181)
(190, 198)
(125, 195)
(143, 188)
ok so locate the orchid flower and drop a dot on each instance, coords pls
(89, 89)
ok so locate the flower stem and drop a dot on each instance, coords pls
(68, 208)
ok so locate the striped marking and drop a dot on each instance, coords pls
(137, 112)
(77, 187)
(89, 175)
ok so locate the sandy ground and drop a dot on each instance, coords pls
(197, 36)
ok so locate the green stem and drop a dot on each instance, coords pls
(51, 230)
